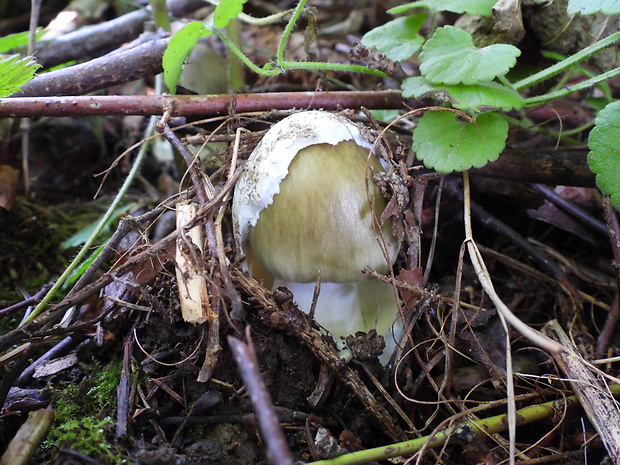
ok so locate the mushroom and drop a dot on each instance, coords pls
(306, 209)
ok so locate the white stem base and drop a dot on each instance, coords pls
(344, 309)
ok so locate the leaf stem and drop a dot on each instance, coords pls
(287, 31)
(244, 59)
(533, 101)
(254, 21)
(304, 65)
(568, 62)
(298, 65)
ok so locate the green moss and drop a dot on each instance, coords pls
(85, 415)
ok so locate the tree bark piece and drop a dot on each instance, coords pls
(592, 391)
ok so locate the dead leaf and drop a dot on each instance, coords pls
(9, 181)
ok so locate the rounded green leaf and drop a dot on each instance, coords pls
(450, 57)
(482, 96)
(485, 94)
(397, 39)
(180, 46)
(604, 156)
(225, 11)
(445, 143)
(418, 87)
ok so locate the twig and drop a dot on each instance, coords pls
(23, 445)
(27, 302)
(116, 68)
(277, 448)
(123, 389)
(602, 342)
(570, 208)
(593, 393)
(204, 190)
(495, 224)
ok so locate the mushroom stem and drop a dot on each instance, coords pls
(346, 308)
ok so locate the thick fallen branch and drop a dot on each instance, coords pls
(93, 40)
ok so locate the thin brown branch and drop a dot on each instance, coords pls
(191, 105)
(609, 328)
(277, 448)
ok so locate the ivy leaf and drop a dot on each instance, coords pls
(397, 39)
(473, 7)
(588, 7)
(15, 71)
(450, 57)
(180, 46)
(446, 144)
(482, 96)
(225, 11)
(604, 156)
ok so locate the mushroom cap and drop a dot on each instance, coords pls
(314, 221)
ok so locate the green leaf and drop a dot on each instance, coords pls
(397, 39)
(450, 57)
(160, 14)
(419, 87)
(225, 11)
(385, 116)
(473, 7)
(482, 96)
(19, 39)
(604, 156)
(80, 270)
(485, 94)
(180, 46)
(448, 144)
(15, 71)
(588, 7)
(83, 234)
